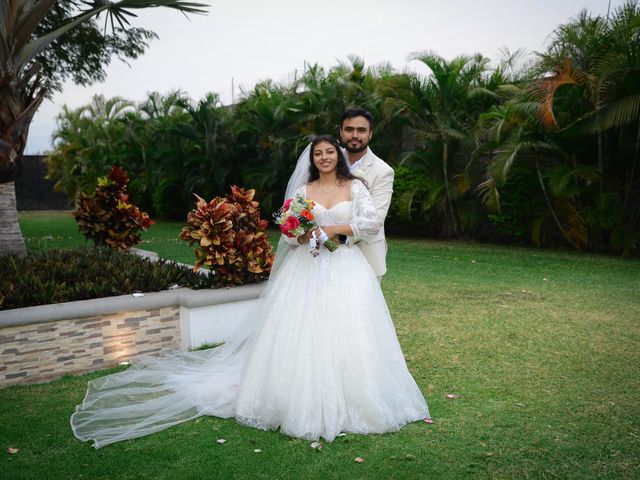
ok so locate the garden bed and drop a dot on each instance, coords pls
(56, 276)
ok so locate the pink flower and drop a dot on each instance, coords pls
(286, 204)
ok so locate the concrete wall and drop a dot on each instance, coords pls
(34, 191)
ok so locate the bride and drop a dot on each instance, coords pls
(318, 354)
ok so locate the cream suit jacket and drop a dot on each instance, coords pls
(379, 178)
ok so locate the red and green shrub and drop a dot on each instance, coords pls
(107, 217)
(230, 238)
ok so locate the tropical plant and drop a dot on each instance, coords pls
(442, 110)
(88, 142)
(230, 238)
(576, 123)
(107, 217)
(23, 84)
(55, 276)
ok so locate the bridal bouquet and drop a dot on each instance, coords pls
(295, 218)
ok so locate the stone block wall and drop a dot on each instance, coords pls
(37, 352)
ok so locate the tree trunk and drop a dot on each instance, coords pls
(11, 240)
(445, 173)
(632, 173)
(600, 162)
(550, 206)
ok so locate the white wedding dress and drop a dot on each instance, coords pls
(323, 357)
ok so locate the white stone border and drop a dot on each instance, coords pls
(184, 297)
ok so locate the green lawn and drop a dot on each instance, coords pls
(541, 347)
(45, 230)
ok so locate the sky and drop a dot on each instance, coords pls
(240, 42)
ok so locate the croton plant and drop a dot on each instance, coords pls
(107, 217)
(230, 238)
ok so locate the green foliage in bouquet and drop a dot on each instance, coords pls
(107, 217)
(55, 276)
(230, 238)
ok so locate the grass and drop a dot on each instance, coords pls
(54, 229)
(541, 348)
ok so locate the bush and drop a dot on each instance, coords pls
(230, 238)
(56, 276)
(168, 200)
(402, 213)
(520, 202)
(107, 217)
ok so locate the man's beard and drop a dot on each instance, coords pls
(350, 149)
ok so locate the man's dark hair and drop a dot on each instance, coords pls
(356, 112)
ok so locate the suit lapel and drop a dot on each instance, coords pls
(367, 161)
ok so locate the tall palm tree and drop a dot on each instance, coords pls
(442, 110)
(22, 87)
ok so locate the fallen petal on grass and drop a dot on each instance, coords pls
(452, 396)
(317, 445)
(220, 440)
(12, 450)
(359, 459)
(258, 450)
(428, 420)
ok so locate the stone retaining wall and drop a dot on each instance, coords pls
(42, 351)
(45, 342)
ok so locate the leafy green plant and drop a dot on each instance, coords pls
(230, 238)
(107, 217)
(55, 276)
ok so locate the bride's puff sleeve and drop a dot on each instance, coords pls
(366, 222)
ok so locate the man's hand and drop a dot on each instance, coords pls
(305, 237)
(331, 232)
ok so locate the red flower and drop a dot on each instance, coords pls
(283, 229)
(291, 224)
(307, 214)
(286, 204)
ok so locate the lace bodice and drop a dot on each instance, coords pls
(359, 212)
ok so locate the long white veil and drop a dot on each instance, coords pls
(158, 392)
(298, 178)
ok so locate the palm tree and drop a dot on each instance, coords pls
(442, 109)
(592, 77)
(512, 134)
(22, 87)
(87, 143)
(210, 170)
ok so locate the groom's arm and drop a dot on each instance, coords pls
(382, 191)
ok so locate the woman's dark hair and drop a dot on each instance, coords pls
(342, 169)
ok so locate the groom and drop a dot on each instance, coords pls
(356, 127)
